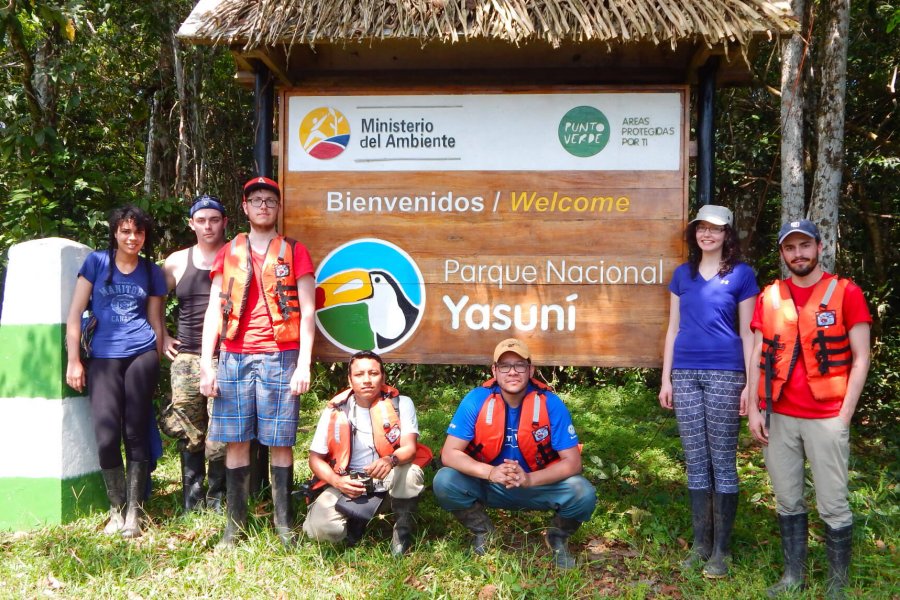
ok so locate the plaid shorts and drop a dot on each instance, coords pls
(255, 400)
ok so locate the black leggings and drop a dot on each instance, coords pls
(121, 392)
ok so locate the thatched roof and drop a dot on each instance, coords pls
(254, 24)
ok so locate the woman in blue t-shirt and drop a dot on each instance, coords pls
(125, 292)
(708, 344)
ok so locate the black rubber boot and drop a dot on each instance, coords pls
(259, 469)
(404, 525)
(238, 492)
(557, 539)
(193, 472)
(794, 548)
(137, 473)
(215, 496)
(477, 521)
(724, 511)
(282, 498)
(356, 529)
(838, 548)
(702, 520)
(115, 490)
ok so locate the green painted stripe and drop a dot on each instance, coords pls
(27, 503)
(33, 362)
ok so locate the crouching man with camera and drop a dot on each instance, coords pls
(365, 448)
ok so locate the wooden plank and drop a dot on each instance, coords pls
(615, 325)
(537, 238)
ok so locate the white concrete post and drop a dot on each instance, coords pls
(49, 472)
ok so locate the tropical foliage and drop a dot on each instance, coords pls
(101, 105)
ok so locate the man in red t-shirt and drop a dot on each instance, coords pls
(811, 342)
(261, 307)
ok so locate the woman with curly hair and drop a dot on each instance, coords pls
(708, 344)
(125, 292)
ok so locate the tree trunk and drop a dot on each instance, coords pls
(182, 160)
(826, 187)
(16, 38)
(792, 179)
(150, 153)
(198, 70)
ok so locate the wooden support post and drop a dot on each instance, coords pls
(706, 129)
(264, 102)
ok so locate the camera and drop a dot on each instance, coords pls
(365, 479)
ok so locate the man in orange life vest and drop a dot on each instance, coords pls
(367, 430)
(512, 445)
(261, 307)
(812, 347)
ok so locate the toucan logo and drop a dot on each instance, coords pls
(370, 295)
(324, 132)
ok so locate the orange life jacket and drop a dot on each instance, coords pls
(534, 428)
(278, 287)
(824, 345)
(385, 415)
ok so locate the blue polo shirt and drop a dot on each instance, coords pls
(562, 431)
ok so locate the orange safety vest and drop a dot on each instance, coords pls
(534, 428)
(278, 287)
(385, 416)
(819, 330)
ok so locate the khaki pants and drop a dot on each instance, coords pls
(325, 524)
(826, 444)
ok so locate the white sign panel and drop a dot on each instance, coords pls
(486, 132)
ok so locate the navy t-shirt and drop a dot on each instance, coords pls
(707, 330)
(121, 307)
(562, 431)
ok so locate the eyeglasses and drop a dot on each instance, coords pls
(710, 229)
(257, 202)
(520, 367)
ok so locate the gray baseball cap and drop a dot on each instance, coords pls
(712, 213)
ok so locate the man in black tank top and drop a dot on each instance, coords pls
(186, 418)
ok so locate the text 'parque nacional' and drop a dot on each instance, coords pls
(554, 271)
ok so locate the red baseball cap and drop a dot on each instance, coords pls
(261, 183)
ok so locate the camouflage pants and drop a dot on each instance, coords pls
(186, 418)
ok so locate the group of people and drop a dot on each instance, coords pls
(241, 358)
(794, 360)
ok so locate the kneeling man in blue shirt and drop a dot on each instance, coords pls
(512, 445)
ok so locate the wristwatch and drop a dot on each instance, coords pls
(394, 460)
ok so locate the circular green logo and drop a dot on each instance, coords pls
(584, 131)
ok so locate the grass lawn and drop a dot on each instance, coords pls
(631, 548)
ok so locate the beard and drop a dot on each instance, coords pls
(804, 270)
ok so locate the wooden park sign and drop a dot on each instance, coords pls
(442, 223)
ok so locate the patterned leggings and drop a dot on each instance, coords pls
(707, 408)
